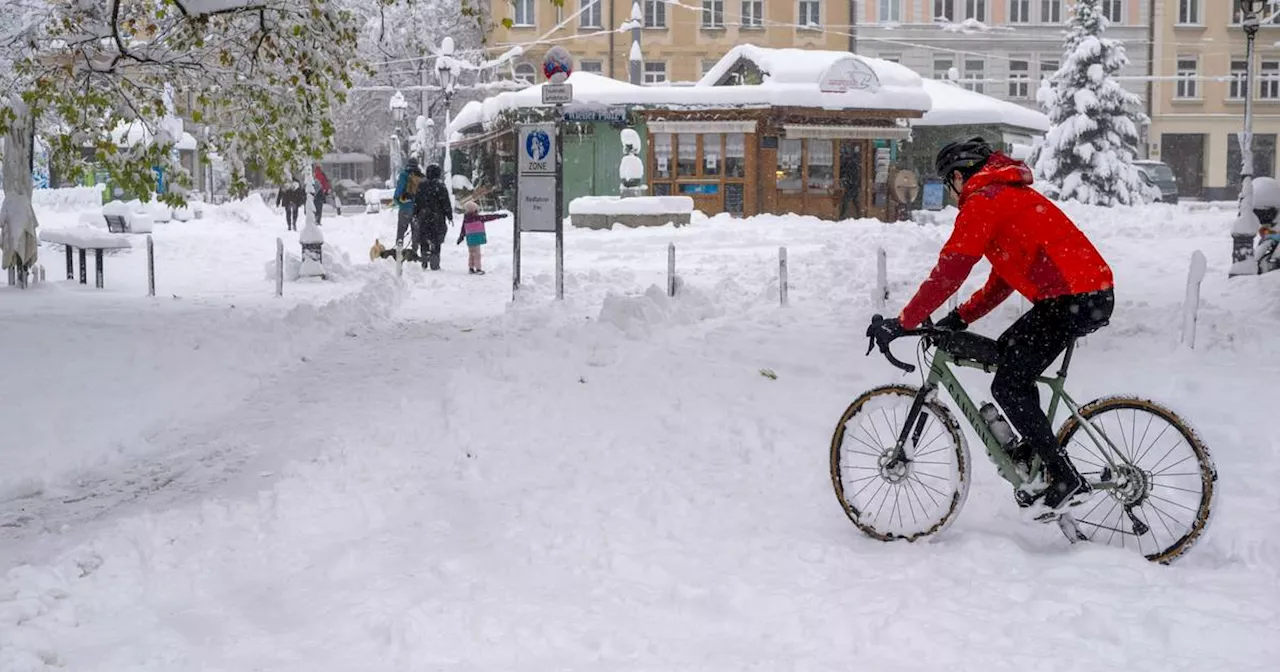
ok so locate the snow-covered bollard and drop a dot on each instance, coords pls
(671, 269)
(782, 276)
(1191, 304)
(631, 168)
(279, 267)
(312, 252)
(882, 279)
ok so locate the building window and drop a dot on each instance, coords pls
(944, 9)
(810, 13)
(655, 13)
(1236, 87)
(1050, 11)
(525, 73)
(1113, 10)
(890, 11)
(892, 58)
(713, 13)
(662, 155)
(712, 162)
(1019, 11)
(752, 13)
(974, 73)
(593, 67)
(1019, 79)
(976, 9)
(822, 172)
(686, 155)
(942, 69)
(790, 168)
(1048, 68)
(1264, 157)
(1188, 84)
(590, 16)
(707, 64)
(523, 15)
(1270, 81)
(1188, 12)
(655, 73)
(735, 155)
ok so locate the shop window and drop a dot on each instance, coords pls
(662, 189)
(687, 155)
(735, 155)
(712, 161)
(822, 173)
(790, 169)
(662, 155)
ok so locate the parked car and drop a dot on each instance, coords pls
(1161, 175)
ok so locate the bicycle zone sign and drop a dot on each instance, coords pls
(536, 210)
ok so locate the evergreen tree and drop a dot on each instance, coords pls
(1093, 138)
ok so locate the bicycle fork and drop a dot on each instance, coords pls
(913, 426)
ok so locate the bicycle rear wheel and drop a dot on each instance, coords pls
(1161, 489)
(912, 500)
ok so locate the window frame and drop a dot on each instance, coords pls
(943, 75)
(940, 10)
(531, 18)
(1023, 17)
(649, 69)
(1057, 11)
(1020, 84)
(533, 72)
(592, 10)
(756, 18)
(582, 65)
(1186, 88)
(657, 10)
(976, 9)
(1269, 86)
(970, 84)
(709, 11)
(1118, 7)
(889, 11)
(1190, 13)
(802, 17)
(1236, 82)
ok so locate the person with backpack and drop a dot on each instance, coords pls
(432, 213)
(403, 197)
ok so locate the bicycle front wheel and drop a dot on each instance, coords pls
(908, 500)
(1159, 492)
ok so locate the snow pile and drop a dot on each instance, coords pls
(636, 316)
(335, 264)
(247, 210)
(1266, 192)
(68, 198)
(636, 205)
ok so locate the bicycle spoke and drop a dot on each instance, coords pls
(928, 488)
(1154, 443)
(1170, 501)
(1174, 487)
(1146, 430)
(1162, 516)
(1157, 473)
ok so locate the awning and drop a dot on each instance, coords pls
(795, 131)
(469, 140)
(702, 126)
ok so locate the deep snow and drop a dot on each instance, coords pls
(421, 474)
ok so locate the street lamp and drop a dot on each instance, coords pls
(1246, 224)
(447, 72)
(398, 107)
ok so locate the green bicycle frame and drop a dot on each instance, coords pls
(940, 374)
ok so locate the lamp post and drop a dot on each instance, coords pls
(447, 72)
(398, 107)
(1246, 224)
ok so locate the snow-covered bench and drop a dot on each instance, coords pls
(85, 238)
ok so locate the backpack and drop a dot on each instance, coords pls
(411, 186)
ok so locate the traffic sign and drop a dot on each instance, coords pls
(537, 150)
(557, 94)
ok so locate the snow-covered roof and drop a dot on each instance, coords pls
(954, 105)
(795, 85)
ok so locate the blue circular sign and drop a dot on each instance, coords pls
(537, 145)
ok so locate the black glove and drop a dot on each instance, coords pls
(953, 322)
(885, 330)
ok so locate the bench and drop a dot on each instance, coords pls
(84, 239)
(116, 224)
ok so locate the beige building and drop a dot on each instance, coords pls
(680, 41)
(1198, 95)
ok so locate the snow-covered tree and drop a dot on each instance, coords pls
(1093, 138)
(262, 75)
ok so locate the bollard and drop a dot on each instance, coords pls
(782, 276)
(1191, 303)
(882, 279)
(279, 267)
(671, 270)
(42, 276)
(151, 267)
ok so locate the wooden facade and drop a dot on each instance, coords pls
(832, 164)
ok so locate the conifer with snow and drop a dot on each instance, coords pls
(1093, 140)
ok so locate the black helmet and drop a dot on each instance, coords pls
(965, 156)
(433, 172)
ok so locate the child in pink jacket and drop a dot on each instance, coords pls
(473, 232)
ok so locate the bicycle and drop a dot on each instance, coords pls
(890, 435)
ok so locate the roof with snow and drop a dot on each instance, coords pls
(954, 105)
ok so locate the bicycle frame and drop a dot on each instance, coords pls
(941, 374)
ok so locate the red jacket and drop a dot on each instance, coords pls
(1033, 247)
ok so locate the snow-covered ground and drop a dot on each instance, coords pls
(382, 473)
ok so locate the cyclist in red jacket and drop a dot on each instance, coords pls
(1036, 250)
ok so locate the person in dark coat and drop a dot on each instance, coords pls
(292, 197)
(432, 213)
